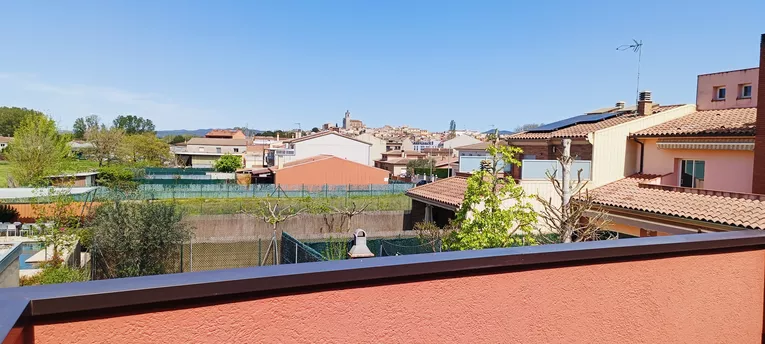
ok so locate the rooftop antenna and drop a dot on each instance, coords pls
(636, 47)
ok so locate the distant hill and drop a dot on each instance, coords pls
(195, 132)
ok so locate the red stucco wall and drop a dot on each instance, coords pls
(692, 299)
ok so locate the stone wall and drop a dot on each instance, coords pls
(219, 228)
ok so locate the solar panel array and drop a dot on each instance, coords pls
(573, 121)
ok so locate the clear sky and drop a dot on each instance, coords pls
(269, 64)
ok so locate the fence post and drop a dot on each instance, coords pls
(326, 190)
(296, 253)
(302, 190)
(370, 190)
(348, 191)
(228, 190)
(191, 254)
(181, 257)
(200, 191)
(259, 253)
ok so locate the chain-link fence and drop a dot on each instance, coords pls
(295, 251)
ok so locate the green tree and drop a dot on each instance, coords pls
(179, 139)
(106, 142)
(144, 149)
(495, 211)
(314, 130)
(413, 164)
(117, 177)
(83, 124)
(137, 238)
(11, 118)
(37, 151)
(133, 124)
(228, 163)
(452, 129)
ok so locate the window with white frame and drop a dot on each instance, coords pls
(692, 173)
(720, 93)
(746, 91)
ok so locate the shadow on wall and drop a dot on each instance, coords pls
(307, 226)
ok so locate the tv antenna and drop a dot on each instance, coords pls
(636, 47)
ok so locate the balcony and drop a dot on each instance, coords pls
(696, 288)
(469, 164)
(537, 169)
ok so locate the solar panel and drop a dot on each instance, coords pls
(573, 121)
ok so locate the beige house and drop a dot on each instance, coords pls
(203, 152)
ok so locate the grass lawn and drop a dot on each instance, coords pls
(75, 166)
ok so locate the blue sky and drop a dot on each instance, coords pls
(270, 64)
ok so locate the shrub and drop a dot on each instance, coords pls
(137, 238)
(55, 272)
(8, 213)
(117, 177)
(228, 163)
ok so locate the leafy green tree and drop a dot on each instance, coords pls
(314, 130)
(37, 151)
(83, 124)
(495, 211)
(179, 139)
(117, 177)
(228, 163)
(144, 149)
(131, 124)
(413, 164)
(137, 238)
(11, 118)
(106, 142)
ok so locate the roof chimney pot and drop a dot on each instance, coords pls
(620, 104)
(645, 104)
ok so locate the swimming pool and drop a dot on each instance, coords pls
(29, 249)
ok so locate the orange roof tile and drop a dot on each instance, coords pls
(642, 193)
(581, 130)
(736, 122)
(448, 191)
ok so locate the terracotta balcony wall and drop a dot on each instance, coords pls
(698, 288)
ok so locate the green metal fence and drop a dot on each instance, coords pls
(295, 251)
(198, 190)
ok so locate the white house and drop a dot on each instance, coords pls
(202, 152)
(326, 143)
(460, 141)
(378, 146)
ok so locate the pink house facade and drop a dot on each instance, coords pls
(727, 90)
(724, 170)
(712, 148)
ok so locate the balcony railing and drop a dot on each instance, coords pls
(574, 291)
(470, 164)
(537, 169)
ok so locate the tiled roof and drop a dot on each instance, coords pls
(224, 132)
(408, 152)
(475, 146)
(323, 133)
(581, 130)
(203, 141)
(642, 192)
(448, 191)
(736, 122)
(396, 161)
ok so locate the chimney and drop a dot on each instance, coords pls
(277, 136)
(645, 105)
(620, 104)
(360, 248)
(758, 183)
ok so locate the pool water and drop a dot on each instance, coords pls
(28, 249)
